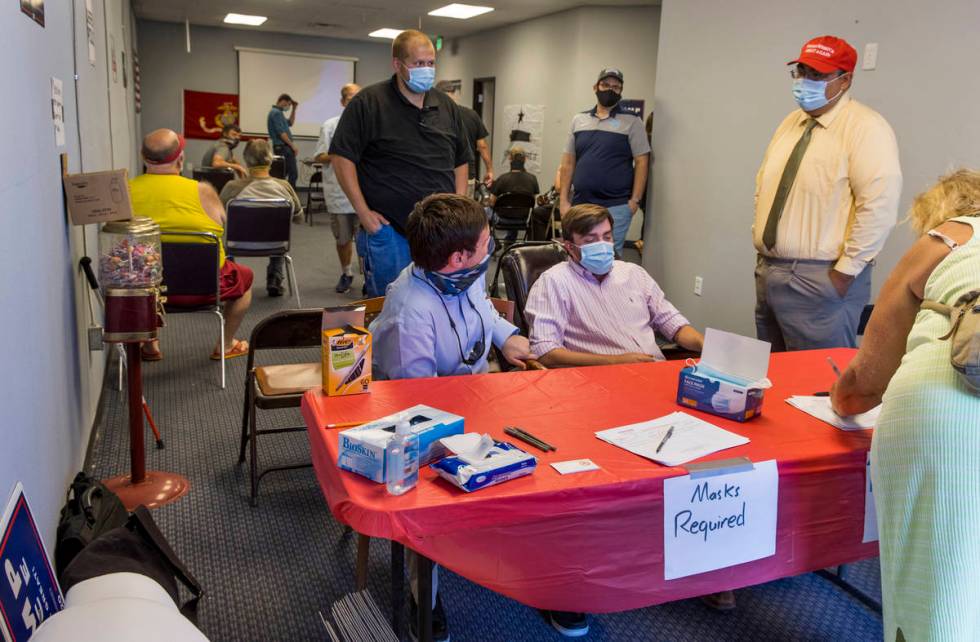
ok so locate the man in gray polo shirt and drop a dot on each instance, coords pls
(221, 155)
(607, 157)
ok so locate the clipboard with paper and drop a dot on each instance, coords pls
(730, 378)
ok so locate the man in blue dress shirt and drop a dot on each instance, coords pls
(437, 319)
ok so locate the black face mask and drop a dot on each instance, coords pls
(607, 97)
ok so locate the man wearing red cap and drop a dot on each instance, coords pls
(826, 197)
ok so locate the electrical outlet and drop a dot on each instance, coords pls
(870, 56)
(698, 285)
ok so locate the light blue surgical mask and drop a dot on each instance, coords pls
(597, 257)
(811, 95)
(421, 79)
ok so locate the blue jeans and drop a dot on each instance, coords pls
(622, 216)
(385, 255)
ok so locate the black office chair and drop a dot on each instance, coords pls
(314, 196)
(522, 265)
(217, 176)
(192, 267)
(278, 167)
(865, 317)
(512, 213)
(271, 387)
(262, 227)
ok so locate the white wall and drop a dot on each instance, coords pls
(212, 65)
(554, 61)
(723, 87)
(51, 381)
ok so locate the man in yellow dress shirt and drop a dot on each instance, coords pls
(826, 197)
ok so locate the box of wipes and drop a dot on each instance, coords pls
(730, 379)
(362, 448)
(479, 461)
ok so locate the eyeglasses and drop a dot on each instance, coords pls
(812, 74)
(606, 86)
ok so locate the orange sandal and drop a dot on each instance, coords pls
(150, 355)
(238, 349)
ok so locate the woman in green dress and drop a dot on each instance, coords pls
(925, 454)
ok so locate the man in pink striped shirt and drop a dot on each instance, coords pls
(594, 310)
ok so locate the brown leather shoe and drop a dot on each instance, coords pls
(723, 601)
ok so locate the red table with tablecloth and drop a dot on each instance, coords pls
(593, 542)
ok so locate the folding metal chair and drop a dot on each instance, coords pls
(262, 227)
(193, 268)
(314, 195)
(270, 387)
(512, 213)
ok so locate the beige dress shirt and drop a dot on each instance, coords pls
(844, 200)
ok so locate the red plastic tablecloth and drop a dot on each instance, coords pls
(593, 542)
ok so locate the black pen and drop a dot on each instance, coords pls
(821, 394)
(528, 438)
(670, 431)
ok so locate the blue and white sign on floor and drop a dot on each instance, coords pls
(719, 520)
(29, 591)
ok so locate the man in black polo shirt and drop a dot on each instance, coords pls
(476, 134)
(397, 142)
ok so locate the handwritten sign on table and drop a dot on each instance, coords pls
(870, 516)
(717, 521)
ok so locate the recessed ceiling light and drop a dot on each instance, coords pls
(387, 32)
(242, 19)
(460, 11)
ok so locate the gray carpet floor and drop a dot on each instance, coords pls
(268, 570)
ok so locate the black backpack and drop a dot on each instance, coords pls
(90, 510)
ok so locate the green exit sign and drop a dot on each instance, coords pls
(438, 41)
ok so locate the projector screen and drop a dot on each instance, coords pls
(313, 81)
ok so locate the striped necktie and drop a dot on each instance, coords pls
(785, 184)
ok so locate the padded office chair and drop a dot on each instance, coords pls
(314, 195)
(512, 213)
(262, 227)
(521, 266)
(271, 387)
(192, 267)
(217, 176)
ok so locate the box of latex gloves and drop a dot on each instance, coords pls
(478, 461)
(730, 379)
(362, 448)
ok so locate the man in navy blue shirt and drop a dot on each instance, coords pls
(607, 157)
(281, 136)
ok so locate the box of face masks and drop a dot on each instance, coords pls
(362, 448)
(480, 461)
(730, 379)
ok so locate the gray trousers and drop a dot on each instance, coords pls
(798, 308)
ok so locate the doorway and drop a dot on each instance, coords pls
(483, 103)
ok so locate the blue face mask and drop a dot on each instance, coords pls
(811, 95)
(597, 257)
(421, 79)
(460, 281)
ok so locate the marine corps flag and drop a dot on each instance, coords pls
(205, 113)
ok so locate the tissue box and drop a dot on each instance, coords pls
(346, 361)
(728, 399)
(513, 463)
(362, 448)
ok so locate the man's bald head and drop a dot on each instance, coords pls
(161, 147)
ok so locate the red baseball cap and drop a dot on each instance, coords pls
(827, 54)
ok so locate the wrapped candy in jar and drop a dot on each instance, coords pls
(129, 255)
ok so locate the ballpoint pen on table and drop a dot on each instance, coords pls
(344, 424)
(528, 438)
(834, 366)
(670, 431)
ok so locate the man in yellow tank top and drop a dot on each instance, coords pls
(178, 203)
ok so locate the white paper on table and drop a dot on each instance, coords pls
(734, 355)
(692, 438)
(713, 522)
(870, 515)
(820, 408)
